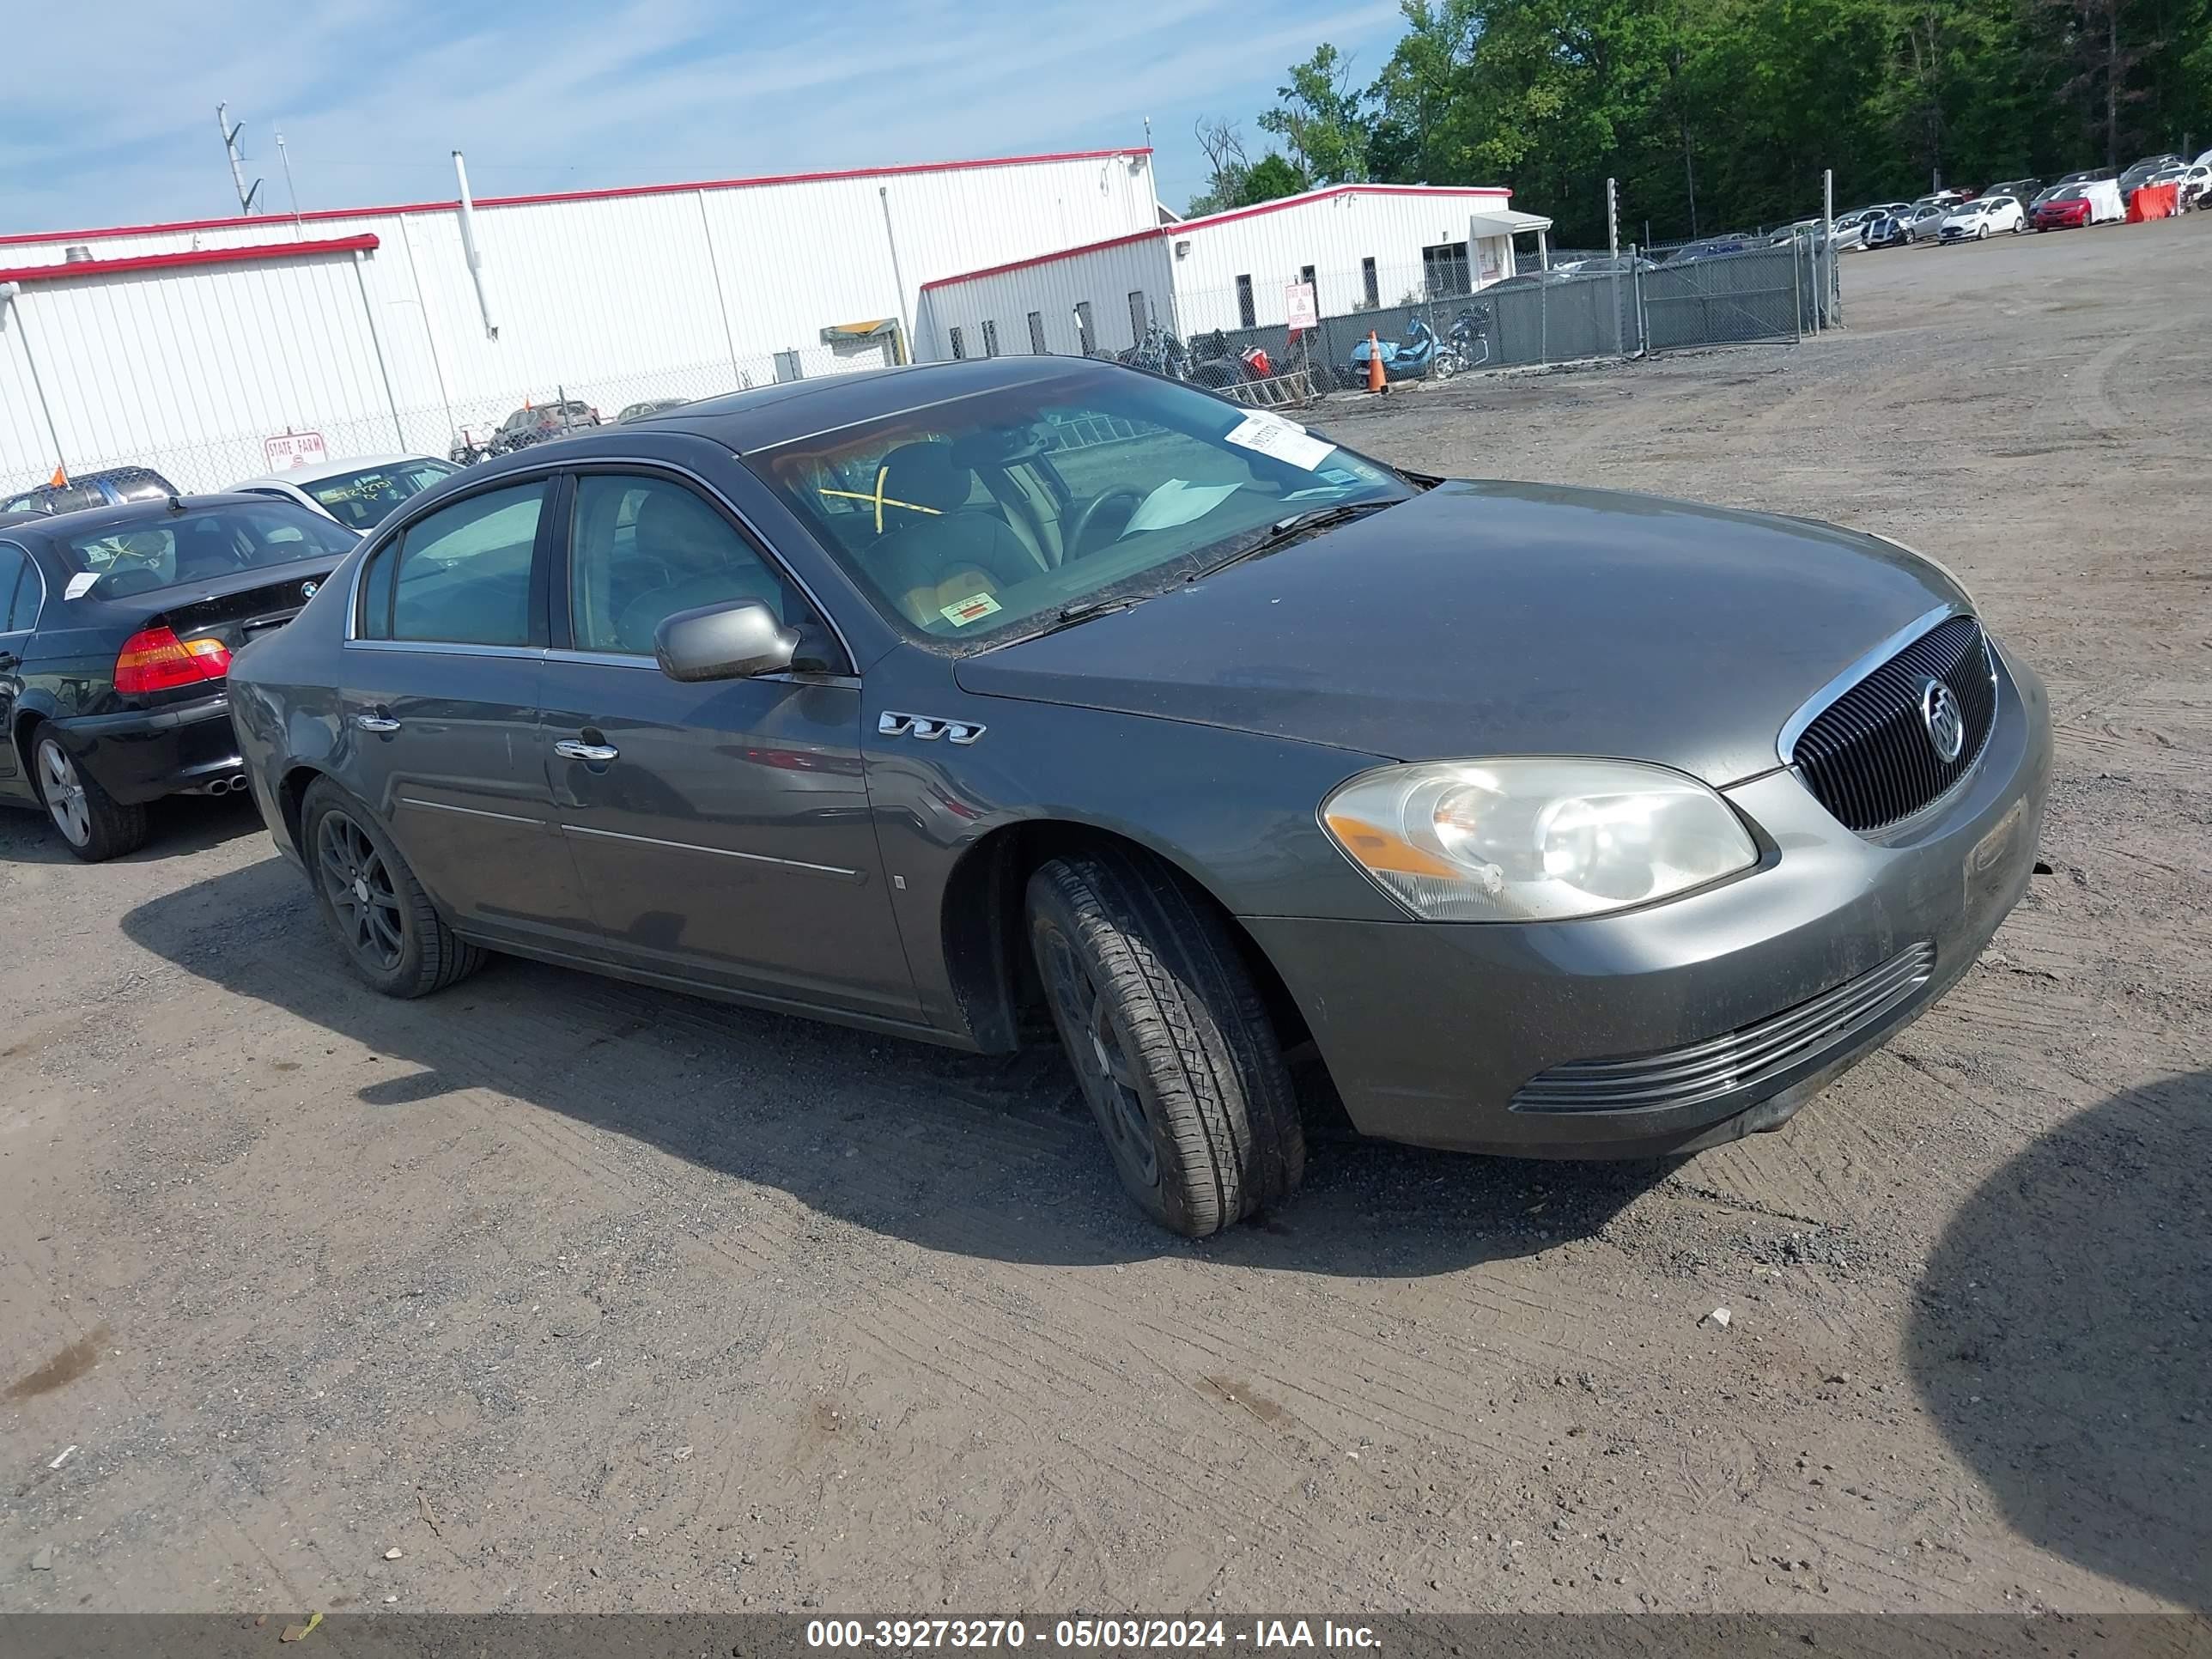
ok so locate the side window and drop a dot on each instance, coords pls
(14, 578)
(641, 548)
(461, 575)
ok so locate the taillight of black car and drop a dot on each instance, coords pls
(155, 660)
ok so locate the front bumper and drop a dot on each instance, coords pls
(1431, 1031)
(144, 755)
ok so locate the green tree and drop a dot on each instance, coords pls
(1320, 119)
(1271, 177)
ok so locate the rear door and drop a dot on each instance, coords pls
(440, 699)
(721, 830)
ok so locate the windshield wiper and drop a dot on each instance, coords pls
(1073, 616)
(1281, 533)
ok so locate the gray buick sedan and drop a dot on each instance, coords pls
(1556, 822)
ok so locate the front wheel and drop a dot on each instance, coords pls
(391, 932)
(1169, 1038)
(95, 825)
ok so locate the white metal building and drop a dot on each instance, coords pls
(188, 346)
(1361, 245)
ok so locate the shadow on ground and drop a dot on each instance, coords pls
(182, 825)
(2062, 1338)
(992, 1157)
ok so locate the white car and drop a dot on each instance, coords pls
(357, 492)
(1983, 216)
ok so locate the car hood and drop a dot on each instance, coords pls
(1503, 618)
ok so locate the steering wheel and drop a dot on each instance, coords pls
(1082, 527)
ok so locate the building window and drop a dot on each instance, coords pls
(959, 345)
(1368, 284)
(1086, 331)
(1444, 269)
(1037, 332)
(1138, 313)
(990, 339)
(1248, 315)
(1305, 274)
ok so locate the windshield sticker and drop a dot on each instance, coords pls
(969, 610)
(81, 584)
(1177, 501)
(1270, 435)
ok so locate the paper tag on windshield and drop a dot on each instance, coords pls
(969, 610)
(1272, 435)
(81, 584)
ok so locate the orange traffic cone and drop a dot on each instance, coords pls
(59, 481)
(1374, 380)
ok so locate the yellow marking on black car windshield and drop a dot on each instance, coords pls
(877, 497)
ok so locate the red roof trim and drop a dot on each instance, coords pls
(613, 193)
(365, 243)
(1229, 218)
(1154, 235)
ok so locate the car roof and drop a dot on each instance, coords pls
(91, 521)
(771, 415)
(333, 469)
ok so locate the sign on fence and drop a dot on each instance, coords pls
(292, 449)
(1298, 302)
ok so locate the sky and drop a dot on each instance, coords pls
(372, 96)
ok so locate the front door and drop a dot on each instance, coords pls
(440, 697)
(721, 830)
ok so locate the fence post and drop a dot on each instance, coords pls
(376, 339)
(1827, 237)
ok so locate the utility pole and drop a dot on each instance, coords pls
(237, 159)
(285, 155)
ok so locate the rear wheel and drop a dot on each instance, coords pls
(95, 825)
(1169, 1038)
(391, 932)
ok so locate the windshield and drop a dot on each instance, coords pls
(361, 500)
(989, 515)
(197, 547)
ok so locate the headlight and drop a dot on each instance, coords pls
(1535, 840)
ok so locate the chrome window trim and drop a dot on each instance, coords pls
(473, 811)
(1820, 702)
(557, 654)
(838, 870)
(451, 649)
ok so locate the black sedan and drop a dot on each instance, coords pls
(117, 626)
(1557, 821)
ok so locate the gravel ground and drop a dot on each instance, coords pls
(554, 1293)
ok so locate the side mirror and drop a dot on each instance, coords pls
(732, 641)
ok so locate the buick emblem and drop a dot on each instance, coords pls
(307, 589)
(1945, 721)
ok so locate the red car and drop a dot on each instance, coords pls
(2069, 211)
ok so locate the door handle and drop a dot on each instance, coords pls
(378, 723)
(570, 749)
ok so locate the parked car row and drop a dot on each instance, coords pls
(905, 701)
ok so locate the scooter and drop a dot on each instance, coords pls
(1408, 359)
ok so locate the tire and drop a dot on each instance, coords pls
(1169, 1038)
(382, 919)
(94, 824)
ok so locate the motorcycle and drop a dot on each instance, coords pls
(1409, 359)
(1468, 345)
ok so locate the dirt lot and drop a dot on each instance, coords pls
(587, 1297)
